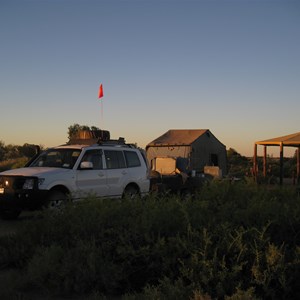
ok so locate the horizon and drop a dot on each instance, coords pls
(288, 152)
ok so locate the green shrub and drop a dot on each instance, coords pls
(232, 241)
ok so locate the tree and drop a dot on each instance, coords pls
(238, 165)
(2, 150)
(11, 151)
(29, 150)
(75, 128)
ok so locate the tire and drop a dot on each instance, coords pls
(131, 192)
(10, 214)
(56, 199)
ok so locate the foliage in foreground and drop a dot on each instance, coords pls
(233, 241)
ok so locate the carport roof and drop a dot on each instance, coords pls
(291, 140)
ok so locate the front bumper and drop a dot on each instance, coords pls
(22, 199)
(14, 195)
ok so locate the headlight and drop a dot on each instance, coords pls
(28, 184)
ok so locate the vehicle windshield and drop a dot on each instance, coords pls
(57, 158)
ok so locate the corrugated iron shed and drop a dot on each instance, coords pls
(193, 148)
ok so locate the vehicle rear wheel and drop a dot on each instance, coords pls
(10, 214)
(131, 192)
(56, 199)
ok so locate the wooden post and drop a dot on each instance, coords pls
(281, 163)
(265, 162)
(298, 164)
(255, 162)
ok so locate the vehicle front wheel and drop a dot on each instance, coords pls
(56, 199)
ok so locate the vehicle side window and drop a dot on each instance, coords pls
(132, 159)
(95, 157)
(114, 159)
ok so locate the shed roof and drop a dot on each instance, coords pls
(178, 137)
(291, 140)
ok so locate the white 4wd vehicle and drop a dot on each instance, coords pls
(74, 171)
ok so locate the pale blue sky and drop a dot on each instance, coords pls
(230, 66)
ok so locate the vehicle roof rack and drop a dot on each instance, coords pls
(118, 142)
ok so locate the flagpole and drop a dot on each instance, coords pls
(100, 95)
(101, 120)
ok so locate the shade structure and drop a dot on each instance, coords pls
(291, 140)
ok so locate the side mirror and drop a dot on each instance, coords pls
(86, 165)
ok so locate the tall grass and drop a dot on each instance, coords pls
(232, 241)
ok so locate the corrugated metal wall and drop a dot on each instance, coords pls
(168, 151)
(205, 151)
(208, 151)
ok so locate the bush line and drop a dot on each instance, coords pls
(232, 241)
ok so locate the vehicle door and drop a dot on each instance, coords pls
(138, 169)
(90, 175)
(117, 173)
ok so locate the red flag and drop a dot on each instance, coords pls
(100, 94)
